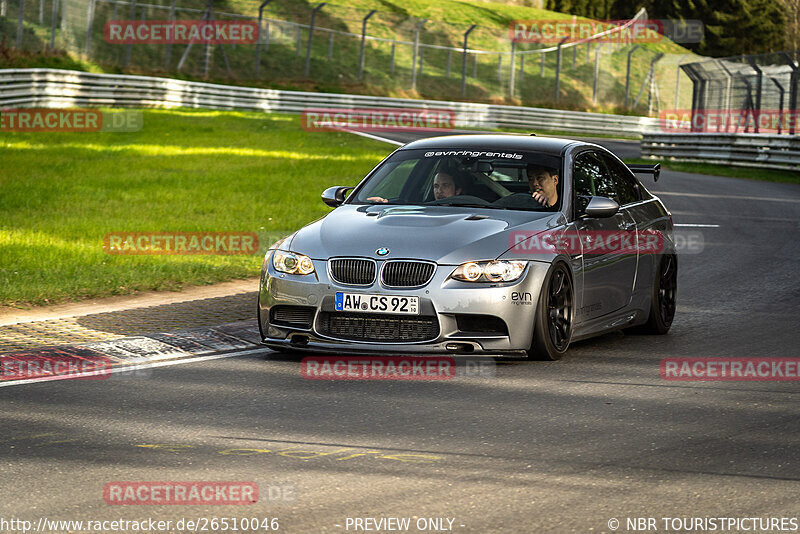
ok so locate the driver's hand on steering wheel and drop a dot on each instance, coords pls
(377, 199)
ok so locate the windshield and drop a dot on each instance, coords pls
(457, 177)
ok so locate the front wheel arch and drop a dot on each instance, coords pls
(554, 317)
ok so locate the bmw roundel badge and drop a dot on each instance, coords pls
(383, 251)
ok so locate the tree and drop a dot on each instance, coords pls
(732, 27)
(792, 10)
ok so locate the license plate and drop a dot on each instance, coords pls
(360, 302)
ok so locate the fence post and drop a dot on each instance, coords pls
(363, 43)
(464, 62)
(330, 47)
(416, 51)
(421, 59)
(475, 65)
(757, 110)
(500, 68)
(628, 74)
(793, 83)
(541, 65)
(298, 41)
(207, 48)
(258, 41)
(596, 71)
(89, 23)
(19, 23)
(53, 25)
(129, 45)
(512, 80)
(311, 37)
(168, 56)
(220, 45)
(391, 62)
(41, 12)
(558, 64)
(650, 75)
(678, 80)
(189, 46)
(780, 105)
(727, 94)
(3, 7)
(449, 60)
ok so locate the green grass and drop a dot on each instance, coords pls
(766, 175)
(184, 171)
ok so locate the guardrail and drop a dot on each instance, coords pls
(745, 150)
(66, 88)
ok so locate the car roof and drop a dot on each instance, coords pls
(494, 142)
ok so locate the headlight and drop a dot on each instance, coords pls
(292, 263)
(489, 271)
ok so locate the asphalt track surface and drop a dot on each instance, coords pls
(565, 446)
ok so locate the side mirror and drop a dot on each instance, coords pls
(601, 208)
(334, 196)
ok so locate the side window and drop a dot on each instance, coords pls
(587, 173)
(591, 177)
(626, 187)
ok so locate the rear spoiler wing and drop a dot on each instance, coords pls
(655, 170)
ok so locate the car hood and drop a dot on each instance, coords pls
(446, 235)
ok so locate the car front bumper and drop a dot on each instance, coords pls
(443, 299)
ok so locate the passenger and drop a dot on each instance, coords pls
(543, 184)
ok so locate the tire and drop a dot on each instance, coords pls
(552, 327)
(662, 303)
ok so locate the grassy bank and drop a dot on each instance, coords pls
(185, 171)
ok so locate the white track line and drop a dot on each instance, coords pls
(134, 367)
(375, 137)
(738, 197)
(698, 225)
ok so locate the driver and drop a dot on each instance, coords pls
(543, 184)
(445, 186)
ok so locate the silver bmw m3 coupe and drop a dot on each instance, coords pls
(506, 245)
